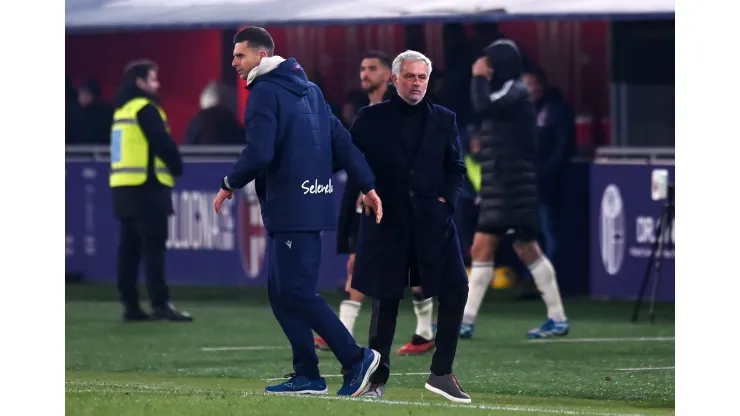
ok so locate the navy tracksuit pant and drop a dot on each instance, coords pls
(293, 271)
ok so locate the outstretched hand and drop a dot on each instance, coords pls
(220, 197)
(372, 202)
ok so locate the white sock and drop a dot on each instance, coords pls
(481, 274)
(423, 310)
(546, 282)
(348, 311)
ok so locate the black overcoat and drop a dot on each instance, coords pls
(416, 243)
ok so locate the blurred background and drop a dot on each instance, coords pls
(606, 68)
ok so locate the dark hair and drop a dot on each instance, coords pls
(138, 69)
(380, 56)
(256, 37)
(536, 72)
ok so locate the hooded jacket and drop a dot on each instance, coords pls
(294, 145)
(508, 146)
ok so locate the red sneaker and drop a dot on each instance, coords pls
(417, 346)
(320, 344)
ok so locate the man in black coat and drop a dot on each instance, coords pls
(375, 75)
(414, 150)
(509, 206)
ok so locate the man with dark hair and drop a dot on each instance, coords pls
(508, 195)
(375, 76)
(144, 163)
(97, 116)
(293, 144)
(555, 146)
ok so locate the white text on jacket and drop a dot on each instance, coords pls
(317, 188)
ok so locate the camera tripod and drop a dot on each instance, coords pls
(664, 228)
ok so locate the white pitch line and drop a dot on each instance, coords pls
(248, 348)
(645, 368)
(155, 389)
(489, 407)
(576, 340)
(340, 375)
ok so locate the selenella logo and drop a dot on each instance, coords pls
(612, 230)
(317, 188)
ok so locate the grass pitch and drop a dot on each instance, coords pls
(219, 364)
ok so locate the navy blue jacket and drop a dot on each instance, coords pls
(294, 144)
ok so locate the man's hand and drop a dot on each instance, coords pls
(442, 200)
(220, 197)
(481, 68)
(372, 202)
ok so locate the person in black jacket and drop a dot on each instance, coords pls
(556, 145)
(375, 75)
(508, 195)
(143, 210)
(97, 115)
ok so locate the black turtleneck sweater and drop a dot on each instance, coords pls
(413, 118)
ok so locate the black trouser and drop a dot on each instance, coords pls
(142, 237)
(449, 318)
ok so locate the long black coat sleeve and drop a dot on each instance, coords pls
(160, 141)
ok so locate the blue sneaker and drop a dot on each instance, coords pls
(549, 329)
(298, 385)
(466, 331)
(357, 378)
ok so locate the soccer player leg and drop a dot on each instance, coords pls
(423, 339)
(305, 378)
(349, 309)
(543, 273)
(481, 274)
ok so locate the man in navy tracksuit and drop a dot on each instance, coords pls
(293, 144)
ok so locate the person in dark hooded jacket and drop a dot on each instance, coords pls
(508, 195)
(293, 144)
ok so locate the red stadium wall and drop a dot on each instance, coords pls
(574, 54)
(188, 60)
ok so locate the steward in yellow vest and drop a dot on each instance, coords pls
(144, 164)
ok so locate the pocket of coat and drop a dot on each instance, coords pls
(446, 206)
(368, 228)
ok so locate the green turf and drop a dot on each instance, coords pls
(160, 368)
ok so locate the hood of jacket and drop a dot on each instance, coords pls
(503, 55)
(287, 73)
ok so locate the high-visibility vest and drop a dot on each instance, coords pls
(473, 172)
(129, 148)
